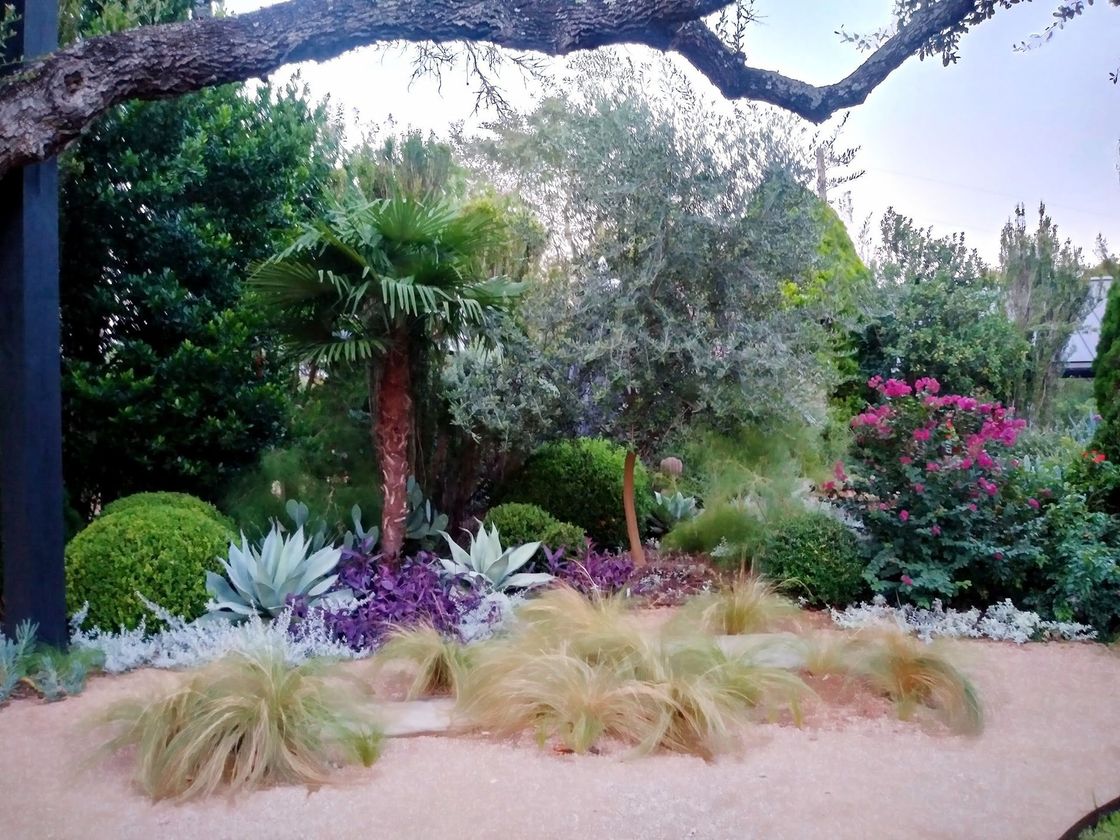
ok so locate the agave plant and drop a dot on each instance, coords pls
(262, 579)
(423, 523)
(488, 561)
(15, 657)
(669, 510)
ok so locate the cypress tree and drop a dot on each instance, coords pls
(1106, 374)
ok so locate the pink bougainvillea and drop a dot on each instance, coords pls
(930, 479)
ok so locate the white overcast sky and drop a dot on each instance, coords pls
(955, 147)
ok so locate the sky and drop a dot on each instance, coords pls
(955, 148)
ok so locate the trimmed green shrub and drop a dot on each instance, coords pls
(580, 481)
(161, 551)
(817, 557)
(165, 499)
(519, 523)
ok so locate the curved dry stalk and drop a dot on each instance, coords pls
(242, 722)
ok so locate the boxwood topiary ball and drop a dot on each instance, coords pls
(163, 498)
(161, 551)
(520, 523)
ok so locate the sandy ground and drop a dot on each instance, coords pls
(1050, 753)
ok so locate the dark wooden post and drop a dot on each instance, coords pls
(31, 506)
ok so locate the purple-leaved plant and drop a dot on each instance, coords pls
(593, 571)
(412, 593)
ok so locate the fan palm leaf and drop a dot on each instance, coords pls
(344, 280)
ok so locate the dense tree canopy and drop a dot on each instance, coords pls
(940, 314)
(169, 378)
(676, 232)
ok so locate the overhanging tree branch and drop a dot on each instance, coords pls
(49, 102)
(736, 80)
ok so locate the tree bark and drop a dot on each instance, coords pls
(48, 103)
(636, 551)
(392, 434)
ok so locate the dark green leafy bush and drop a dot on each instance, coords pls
(519, 523)
(817, 557)
(160, 551)
(580, 481)
(162, 499)
(1097, 477)
(1083, 565)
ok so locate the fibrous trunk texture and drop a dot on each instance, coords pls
(393, 433)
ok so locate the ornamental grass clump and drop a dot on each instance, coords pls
(439, 665)
(582, 670)
(558, 694)
(711, 693)
(243, 722)
(749, 604)
(599, 630)
(913, 674)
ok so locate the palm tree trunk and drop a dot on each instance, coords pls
(391, 436)
(637, 553)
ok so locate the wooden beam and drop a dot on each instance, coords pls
(31, 501)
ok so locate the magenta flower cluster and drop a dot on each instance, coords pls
(929, 482)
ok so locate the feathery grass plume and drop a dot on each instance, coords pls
(439, 665)
(564, 611)
(914, 673)
(242, 722)
(676, 691)
(828, 654)
(599, 630)
(558, 694)
(749, 605)
(713, 691)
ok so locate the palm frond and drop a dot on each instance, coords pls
(341, 284)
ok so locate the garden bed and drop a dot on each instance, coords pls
(1047, 756)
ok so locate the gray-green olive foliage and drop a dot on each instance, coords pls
(676, 225)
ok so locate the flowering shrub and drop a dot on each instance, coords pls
(593, 571)
(1098, 477)
(946, 508)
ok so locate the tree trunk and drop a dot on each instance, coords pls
(391, 438)
(636, 550)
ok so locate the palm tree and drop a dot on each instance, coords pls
(392, 284)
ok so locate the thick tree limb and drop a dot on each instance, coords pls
(736, 80)
(50, 102)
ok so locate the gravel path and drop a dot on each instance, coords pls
(1050, 753)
